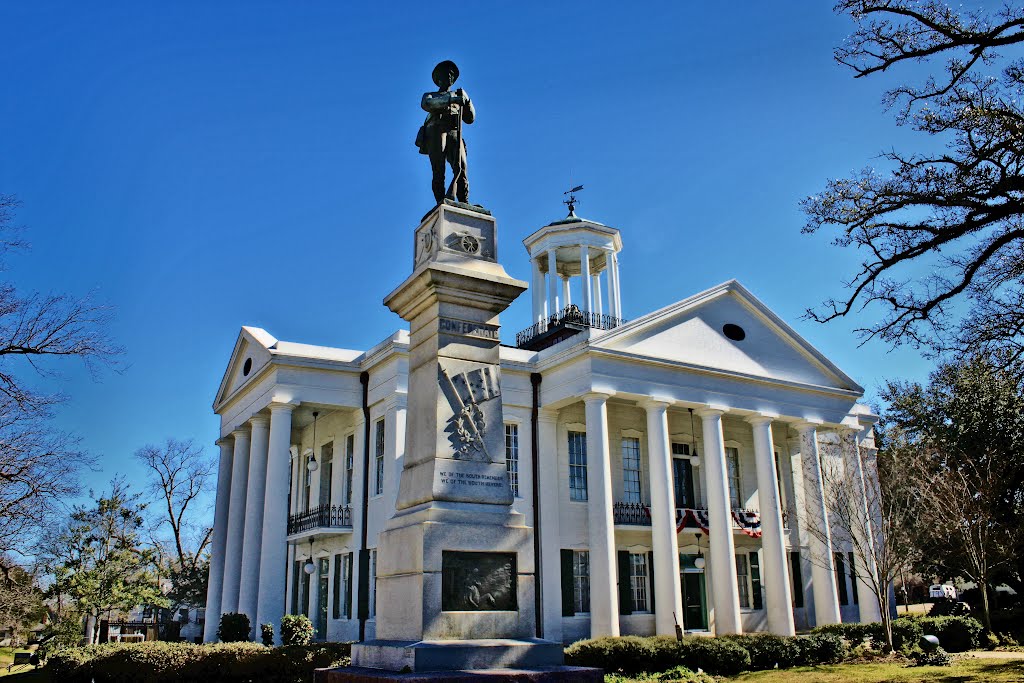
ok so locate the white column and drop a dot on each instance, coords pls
(863, 535)
(549, 494)
(604, 595)
(552, 283)
(614, 294)
(273, 559)
(220, 535)
(724, 588)
(538, 290)
(665, 544)
(249, 588)
(823, 576)
(566, 293)
(236, 522)
(598, 305)
(774, 574)
(585, 276)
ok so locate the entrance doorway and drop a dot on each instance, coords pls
(695, 600)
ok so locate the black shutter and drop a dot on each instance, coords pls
(625, 587)
(650, 578)
(690, 498)
(337, 587)
(798, 579)
(853, 579)
(296, 573)
(755, 581)
(840, 574)
(568, 595)
(364, 583)
(348, 587)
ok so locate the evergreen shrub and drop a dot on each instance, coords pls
(267, 634)
(957, 634)
(296, 629)
(906, 632)
(234, 628)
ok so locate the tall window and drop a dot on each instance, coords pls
(743, 580)
(581, 580)
(307, 477)
(373, 583)
(682, 474)
(732, 463)
(342, 586)
(578, 469)
(840, 573)
(638, 581)
(350, 456)
(326, 472)
(512, 456)
(378, 484)
(631, 469)
(324, 566)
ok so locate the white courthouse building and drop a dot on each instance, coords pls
(668, 466)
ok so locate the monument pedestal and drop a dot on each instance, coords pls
(456, 572)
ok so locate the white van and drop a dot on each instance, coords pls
(942, 591)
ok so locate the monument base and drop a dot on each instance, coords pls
(551, 674)
(457, 655)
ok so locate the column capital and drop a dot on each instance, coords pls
(711, 411)
(653, 403)
(224, 441)
(241, 432)
(282, 406)
(547, 415)
(761, 418)
(597, 396)
(804, 426)
(259, 421)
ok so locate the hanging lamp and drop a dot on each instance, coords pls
(309, 567)
(312, 465)
(699, 562)
(694, 457)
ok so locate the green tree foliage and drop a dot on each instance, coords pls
(21, 599)
(98, 558)
(296, 629)
(941, 231)
(962, 434)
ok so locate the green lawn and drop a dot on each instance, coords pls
(962, 671)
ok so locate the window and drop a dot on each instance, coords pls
(578, 468)
(638, 581)
(378, 484)
(732, 465)
(743, 580)
(323, 568)
(581, 580)
(326, 472)
(798, 581)
(373, 582)
(350, 456)
(631, 469)
(512, 457)
(840, 573)
(307, 478)
(201, 615)
(853, 579)
(682, 474)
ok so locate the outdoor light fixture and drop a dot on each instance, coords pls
(694, 458)
(309, 567)
(312, 465)
(699, 561)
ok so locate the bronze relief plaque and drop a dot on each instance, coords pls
(477, 582)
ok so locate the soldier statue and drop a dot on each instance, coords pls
(440, 136)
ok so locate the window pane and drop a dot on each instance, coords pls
(638, 581)
(578, 467)
(350, 453)
(326, 472)
(732, 461)
(631, 469)
(742, 578)
(373, 583)
(512, 457)
(581, 580)
(378, 486)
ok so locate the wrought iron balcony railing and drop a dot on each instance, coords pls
(569, 316)
(322, 516)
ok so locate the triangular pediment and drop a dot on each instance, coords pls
(693, 331)
(250, 355)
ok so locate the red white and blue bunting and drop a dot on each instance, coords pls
(749, 522)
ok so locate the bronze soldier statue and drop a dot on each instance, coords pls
(440, 136)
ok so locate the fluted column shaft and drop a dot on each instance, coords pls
(775, 576)
(217, 543)
(604, 605)
(863, 534)
(252, 536)
(664, 541)
(823, 575)
(236, 522)
(273, 560)
(725, 589)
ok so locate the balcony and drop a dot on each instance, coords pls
(321, 519)
(564, 324)
(638, 514)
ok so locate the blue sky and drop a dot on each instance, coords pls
(202, 166)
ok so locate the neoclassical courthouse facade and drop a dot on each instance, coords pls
(669, 466)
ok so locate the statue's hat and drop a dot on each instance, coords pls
(446, 65)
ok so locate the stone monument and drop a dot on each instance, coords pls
(456, 572)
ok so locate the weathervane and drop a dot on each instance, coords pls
(571, 201)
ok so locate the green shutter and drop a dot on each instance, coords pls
(690, 498)
(296, 573)
(625, 587)
(337, 587)
(853, 579)
(755, 581)
(568, 596)
(798, 579)
(364, 583)
(348, 587)
(650, 578)
(840, 574)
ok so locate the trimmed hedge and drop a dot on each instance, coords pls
(234, 628)
(173, 662)
(957, 634)
(725, 656)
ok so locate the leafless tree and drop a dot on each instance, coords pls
(942, 232)
(180, 473)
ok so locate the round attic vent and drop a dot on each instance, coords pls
(734, 332)
(247, 367)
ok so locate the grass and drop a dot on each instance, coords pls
(962, 671)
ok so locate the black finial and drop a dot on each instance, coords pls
(571, 201)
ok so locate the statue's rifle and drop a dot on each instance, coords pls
(458, 150)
